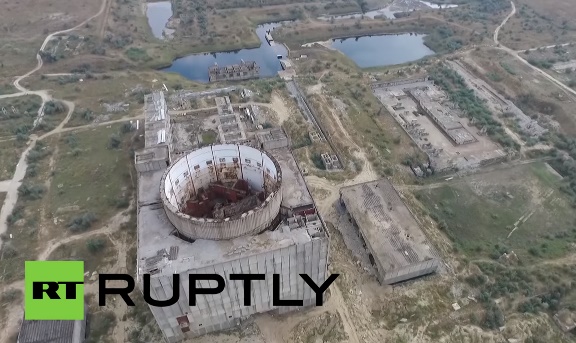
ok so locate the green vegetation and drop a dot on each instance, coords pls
(508, 68)
(317, 161)
(90, 174)
(95, 245)
(96, 252)
(82, 222)
(10, 152)
(101, 323)
(476, 110)
(442, 40)
(17, 114)
(516, 210)
(209, 137)
(138, 55)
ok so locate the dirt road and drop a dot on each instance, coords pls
(517, 56)
(11, 186)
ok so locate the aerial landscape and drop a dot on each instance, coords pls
(424, 151)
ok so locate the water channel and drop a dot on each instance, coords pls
(158, 14)
(195, 67)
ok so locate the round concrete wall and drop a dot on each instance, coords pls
(222, 163)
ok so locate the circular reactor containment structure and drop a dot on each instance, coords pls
(222, 192)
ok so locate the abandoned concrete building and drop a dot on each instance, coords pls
(397, 247)
(451, 141)
(224, 209)
(242, 71)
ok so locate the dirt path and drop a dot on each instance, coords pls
(517, 56)
(108, 5)
(12, 186)
(510, 15)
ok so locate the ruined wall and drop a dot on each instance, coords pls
(225, 310)
(225, 162)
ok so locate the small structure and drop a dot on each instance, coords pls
(242, 71)
(272, 139)
(397, 246)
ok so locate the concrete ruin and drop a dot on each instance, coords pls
(231, 127)
(223, 209)
(437, 126)
(397, 247)
(497, 103)
(241, 71)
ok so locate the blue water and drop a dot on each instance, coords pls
(195, 67)
(158, 14)
(374, 51)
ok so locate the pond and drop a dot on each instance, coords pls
(158, 14)
(375, 51)
(195, 67)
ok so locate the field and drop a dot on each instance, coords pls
(540, 23)
(21, 39)
(89, 175)
(518, 209)
(74, 183)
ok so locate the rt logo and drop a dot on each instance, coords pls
(54, 290)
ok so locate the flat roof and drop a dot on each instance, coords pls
(158, 152)
(387, 224)
(156, 234)
(294, 190)
(272, 134)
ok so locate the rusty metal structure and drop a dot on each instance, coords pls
(222, 192)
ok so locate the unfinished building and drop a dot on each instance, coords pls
(242, 71)
(225, 209)
(396, 245)
(439, 128)
(231, 128)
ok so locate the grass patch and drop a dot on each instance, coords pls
(90, 174)
(96, 252)
(479, 213)
(209, 137)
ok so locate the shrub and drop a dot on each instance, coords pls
(82, 222)
(95, 245)
(31, 192)
(114, 142)
(318, 162)
(17, 214)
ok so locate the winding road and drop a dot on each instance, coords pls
(517, 55)
(11, 186)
